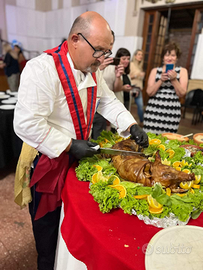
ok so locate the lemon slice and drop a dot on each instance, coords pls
(155, 210)
(186, 185)
(97, 177)
(197, 179)
(166, 162)
(153, 202)
(168, 192)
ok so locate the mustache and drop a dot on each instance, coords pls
(96, 63)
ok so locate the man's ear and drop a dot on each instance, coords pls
(74, 40)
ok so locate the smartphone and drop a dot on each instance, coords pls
(116, 61)
(169, 67)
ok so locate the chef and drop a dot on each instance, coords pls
(59, 93)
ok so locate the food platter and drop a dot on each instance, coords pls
(198, 138)
(158, 203)
(174, 136)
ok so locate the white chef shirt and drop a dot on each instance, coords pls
(42, 118)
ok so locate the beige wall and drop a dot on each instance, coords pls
(3, 20)
(43, 5)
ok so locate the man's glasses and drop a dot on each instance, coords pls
(97, 53)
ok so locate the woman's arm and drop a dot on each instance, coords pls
(153, 86)
(181, 85)
(135, 73)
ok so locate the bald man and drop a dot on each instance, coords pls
(59, 93)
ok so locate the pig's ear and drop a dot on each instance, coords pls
(157, 158)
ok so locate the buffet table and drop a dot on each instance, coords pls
(103, 241)
(10, 144)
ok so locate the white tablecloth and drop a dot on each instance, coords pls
(64, 260)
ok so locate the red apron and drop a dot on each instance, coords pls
(50, 174)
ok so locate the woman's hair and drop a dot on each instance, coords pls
(7, 47)
(170, 47)
(136, 62)
(123, 52)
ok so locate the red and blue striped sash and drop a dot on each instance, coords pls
(65, 74)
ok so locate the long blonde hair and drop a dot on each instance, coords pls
(7, 49)
(138, 64)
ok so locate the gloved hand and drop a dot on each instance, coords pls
(81, 148)
(139, 136)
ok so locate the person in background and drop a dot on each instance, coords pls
(137, 76)
(21, 58)
(114, 83)
(11, 67)
(163, 111)
(58, 96)
(124, 56)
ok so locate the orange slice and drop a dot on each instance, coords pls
(178, 169)
(171, 153)
(95, 178)
(197, 179)
(196, 186)
(186, 171)
(98, 167)
(168, 192)
(155, 210)
(153, 202)
(154, 141)
(121, 189)
(176, 164)
(140, 197)
(114, 179)
(186, 185)
(161, 146)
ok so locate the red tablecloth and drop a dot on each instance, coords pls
(103, 241)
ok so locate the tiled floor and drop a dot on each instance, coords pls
(17, 248)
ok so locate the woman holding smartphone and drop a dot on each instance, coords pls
(165, 87)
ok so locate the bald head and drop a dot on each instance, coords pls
(87, 22)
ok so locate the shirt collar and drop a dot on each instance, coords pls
(82, 80)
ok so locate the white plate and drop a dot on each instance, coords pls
(2, 93)
(13, 93)
(4, 96)
(7, 107)
(8, 91)
(175, 248)
(9, 101)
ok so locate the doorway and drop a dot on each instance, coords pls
(179, 24)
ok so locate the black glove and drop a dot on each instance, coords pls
(139, 136)
(81, 148)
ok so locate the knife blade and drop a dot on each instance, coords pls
(111, 151)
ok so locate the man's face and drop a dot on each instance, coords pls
(85, 59)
